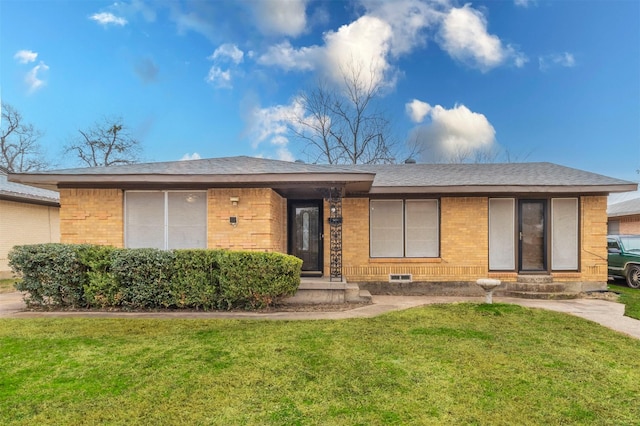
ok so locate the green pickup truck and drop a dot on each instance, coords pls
(624, 258)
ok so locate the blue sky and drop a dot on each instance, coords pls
(542, 80)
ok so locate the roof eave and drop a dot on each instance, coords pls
(29, 200)
(504, 189)
(55, 181)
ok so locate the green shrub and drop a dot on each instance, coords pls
(102, 288)
(52, 274)
(253, 280)
(68, 275)
(195, 279)
(144, 276)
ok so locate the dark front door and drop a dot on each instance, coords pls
(305, 233)
(533, 253)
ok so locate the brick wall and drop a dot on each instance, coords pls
(261, 215)
(629, 224)
(23, 223)
(464, 246)
(93, 216)
(593, 234)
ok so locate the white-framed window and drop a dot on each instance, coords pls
(564, 234)
(404, 228)
(502, 229)
(166, 219)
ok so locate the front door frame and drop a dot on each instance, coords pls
(523, 237)
(291, 224)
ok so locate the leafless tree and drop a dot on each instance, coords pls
(107, 143)
(19, 147)
(345, 124)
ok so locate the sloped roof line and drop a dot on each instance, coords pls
(542, 176)
(624, 208)
(20, 192)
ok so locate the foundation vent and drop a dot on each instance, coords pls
(399, 278)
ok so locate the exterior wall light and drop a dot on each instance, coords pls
(234, 200)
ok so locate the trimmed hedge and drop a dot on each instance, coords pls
(90, 276)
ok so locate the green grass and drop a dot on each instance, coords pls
(6, 286)
(630, 297)
(442, 364)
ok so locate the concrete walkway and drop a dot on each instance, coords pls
(606, 313)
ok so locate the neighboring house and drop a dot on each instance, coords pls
(430, 227)
(624, 217)
(28, 215)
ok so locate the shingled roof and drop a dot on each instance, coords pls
(374, 179)
(494, 177)
(25, 193)
(624, 208)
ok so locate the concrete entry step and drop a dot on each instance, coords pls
(540, 295)
(535, 279)
(535, 287)
(314, 291)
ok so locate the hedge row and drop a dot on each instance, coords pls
(90, 276)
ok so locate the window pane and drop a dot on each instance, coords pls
(421, 228)
(187, 220)
(386, 228)
(144, 219)
(564, 234)
(502, 234)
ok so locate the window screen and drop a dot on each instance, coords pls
(421, 228)
(187, 217)
(145, 220)
(502, 234)
(386, 228)
(564, 234)
(402, 228)
(165, 219)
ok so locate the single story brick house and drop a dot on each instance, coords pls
(624, 217)
(28, 215)
(386, 227)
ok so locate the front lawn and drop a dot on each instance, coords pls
(630, 297)
(441, 364)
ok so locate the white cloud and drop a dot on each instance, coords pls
(362, 44)
(408, 20)
(281, 17)
(108, 18)
(200, 19)
(464, 36)
(187, 157)
(33, 79)
(288, 58)
(25, 56)
(387, 30)
(228, 51)
(453, 135)
(284, 154)
(417, 110)
(565, 59)
(524, 3)
(271, 124)
(219, 78)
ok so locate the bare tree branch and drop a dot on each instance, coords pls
(19, 147)
(107, 143)
(345, 125)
